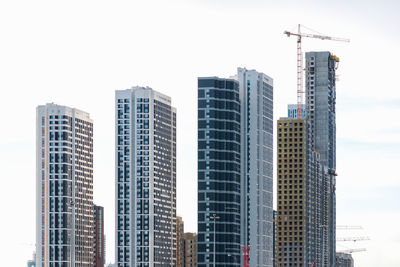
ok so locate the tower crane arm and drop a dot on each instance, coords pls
(317, 36)
(357, 238)
(352, 250)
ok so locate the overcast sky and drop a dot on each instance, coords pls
(77, 53)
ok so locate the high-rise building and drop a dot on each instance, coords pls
(145, 155)
(344, 260)
(291, 234)
(99, 237)
(180, 229)
(321, 117)
(312, 208)
(321, 104)
(256, 101)
(298, 238)
(219, 172)
(235, 165)
(64, 187)
(306, 182)
(190, 250)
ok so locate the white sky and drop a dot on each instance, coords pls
(77, 53)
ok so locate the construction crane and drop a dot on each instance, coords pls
(352, 250)
(354, 239)
(299, 35)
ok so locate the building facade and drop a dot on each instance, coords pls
(145, 156)
(219, 172)
(64, 187)
(303, 172)
(99, 237)
(321, 117)
(291, 235)
(256, 99)
(190, 250)
(180, 230)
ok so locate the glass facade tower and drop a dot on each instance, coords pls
(145, 156)
(219, 173)
(235, 167)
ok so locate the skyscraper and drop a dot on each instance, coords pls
(321, 116)
(321, 104)
(64, 187)
(219, 172)
(291, 234)
(99, 237)
(256, 101)
(306, 180)
(235, 140)
(145, 155)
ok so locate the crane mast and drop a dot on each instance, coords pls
(299, 74)
(299, 35)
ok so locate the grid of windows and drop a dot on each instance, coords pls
(65, 175)
(124, 181)
(290, 229)
(190, 250)
(145, 178)
(256, 97)
(218, 171)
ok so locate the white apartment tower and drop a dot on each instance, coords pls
(64, 187)
(256, 98)
(145, 178)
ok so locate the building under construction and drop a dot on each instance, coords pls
(306, 171)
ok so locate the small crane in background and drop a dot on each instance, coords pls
(353, 250)
(246, 251)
